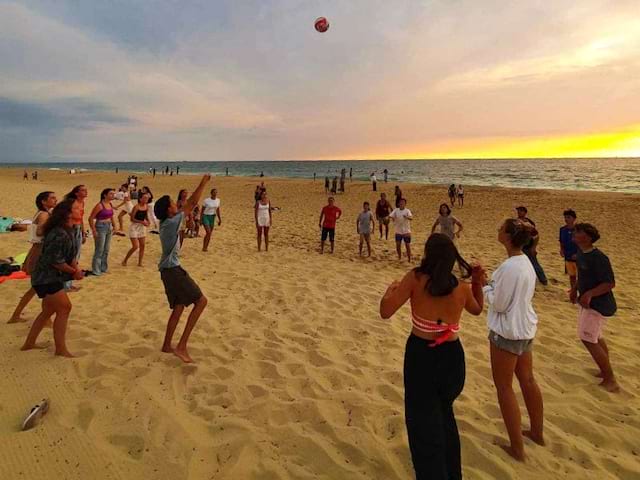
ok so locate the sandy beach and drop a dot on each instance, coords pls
(296, 375)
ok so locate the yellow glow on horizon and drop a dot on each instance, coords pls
(623, 143)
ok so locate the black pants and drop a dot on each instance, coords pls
(433, 379)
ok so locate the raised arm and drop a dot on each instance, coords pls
(475, 301)
(193, 200)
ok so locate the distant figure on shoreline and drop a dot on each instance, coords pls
(460, 192)
(25, 176)
(374, 181)
(452, 194)
(386, 175)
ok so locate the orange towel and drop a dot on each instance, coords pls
(14, 276)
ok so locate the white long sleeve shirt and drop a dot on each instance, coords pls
(509, 295)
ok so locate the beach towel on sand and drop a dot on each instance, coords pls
(5, 224)
(14, 276)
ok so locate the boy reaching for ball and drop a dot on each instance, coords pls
(180, 288)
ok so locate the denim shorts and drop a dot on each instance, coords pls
(517, 347)
(406, 238)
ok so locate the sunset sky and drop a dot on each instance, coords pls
(119, 80)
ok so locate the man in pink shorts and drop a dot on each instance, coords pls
(594, 294)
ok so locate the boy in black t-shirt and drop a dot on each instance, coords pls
(594, 294)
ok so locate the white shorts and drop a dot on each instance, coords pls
(264, 221)
(128, 206)
(137, 230)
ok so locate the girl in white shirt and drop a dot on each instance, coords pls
(512, 326)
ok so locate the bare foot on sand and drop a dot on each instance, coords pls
(35, 346)
(65, 353)
(512, 453)
(166, 349)
(598, 374)
(610, 385)
(539, 439)
(183, 355)
(18, 319)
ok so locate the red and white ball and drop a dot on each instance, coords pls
(322, 24)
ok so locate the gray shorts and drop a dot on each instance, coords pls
(517, 347)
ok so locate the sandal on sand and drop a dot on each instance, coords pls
(120, 234)
(35, 414)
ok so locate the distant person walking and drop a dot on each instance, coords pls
(264, 220)
(25, 176)
(447, 223)
(386, 175)
(374, 181)
(334, 185)
(329, 216)
(402, 217)
(568, 247)
(460, 192)
(326, 185)
(453, 193)
(512, 325)
(210, 211)
(594, 294)
(398, 194)
(383, 209)
(351, 174)
(530, 249)
(364, 226)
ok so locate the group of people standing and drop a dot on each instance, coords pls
(438, 297)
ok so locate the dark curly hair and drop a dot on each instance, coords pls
(59, 216)
(40, 199)
(589, 230)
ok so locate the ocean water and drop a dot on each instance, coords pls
(604, 174)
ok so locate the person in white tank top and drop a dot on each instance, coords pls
(45, 202)
(263, 220)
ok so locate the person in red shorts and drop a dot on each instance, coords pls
(329, 215)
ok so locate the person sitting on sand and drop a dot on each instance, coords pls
(102, 226)
(57, 264)
(402, 217)
(329, 216)
(447, 223)
(594, 293)
(45, 201)
(138, 229)
(383, 209)
(263, 218)
(179, 287)
(434, 367)
(210, 211)
(568, 248)
(512, 325)
(364, 226)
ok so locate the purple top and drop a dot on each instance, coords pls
(104, 214)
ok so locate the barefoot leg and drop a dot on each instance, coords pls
(62, 306)
(37, 327)
(181, 349)
(532, 397)
(174, 318)
(24, 301)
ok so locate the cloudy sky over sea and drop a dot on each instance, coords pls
(248, 80)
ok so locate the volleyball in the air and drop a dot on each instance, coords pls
(322, 24)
